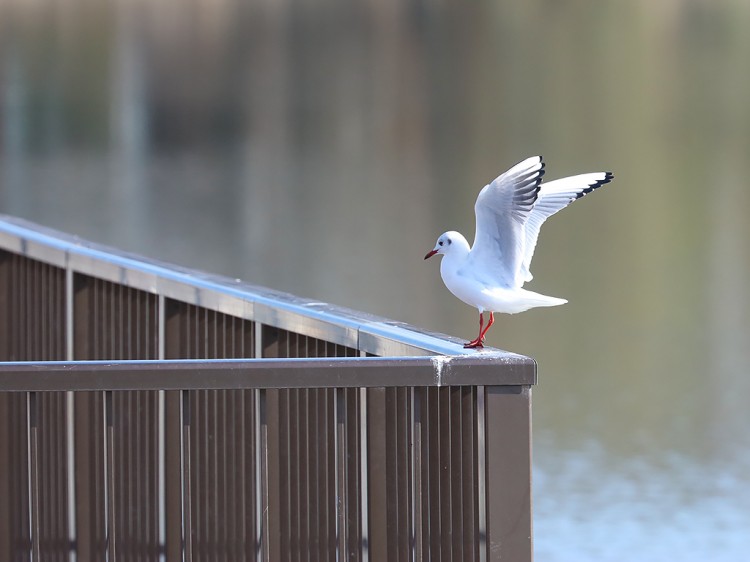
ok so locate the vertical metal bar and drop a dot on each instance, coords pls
(403, 532)
(23, 353)
(87, 432)
(263, 478)
(318, 447)
(261, 453)
(6, 512)
(19, 492)
(109, 488)
(34, 320)
(272, 494)
(82, 477)
(329, 495)
(289, 463)
(33, 456)
(377, 481)
(216, 451)
(95, 321)
(248, 478)
(8, 302)
(207, 468)
(303, 470)
(240, 491)
(42, 298)
(444, 459)
(130, 429)
(210, 468)
(61, 478)
(199, 453)
(173, 474)
(258, 397)
(481, 421)
(50, 475)
(162, 430)
(456, 474)
(71, 481)
(508, 472)
(45, 501)
(326, 490)
(124, 488)
(187, 529)
(339, 417)
(469, 469)
(364, 472)
(162, 472)
(70, 414)
(171, 316)
(31, 311)
(229, 455)
(393, 476)
(149, 473)
(432, 471)
(37, 304)
(416, 473)
(161, 326)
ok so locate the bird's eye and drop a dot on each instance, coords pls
(440, 243)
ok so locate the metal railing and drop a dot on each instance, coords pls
(149, 412)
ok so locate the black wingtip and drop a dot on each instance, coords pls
(608, 177)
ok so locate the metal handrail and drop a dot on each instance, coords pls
(218, 374)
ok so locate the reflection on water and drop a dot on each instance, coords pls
(320, 148)
(661, 506)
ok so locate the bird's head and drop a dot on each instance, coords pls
(447, 243)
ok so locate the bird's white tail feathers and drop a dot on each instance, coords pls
(530, 299)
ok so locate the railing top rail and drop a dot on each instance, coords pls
(482, 369)
(365, 332)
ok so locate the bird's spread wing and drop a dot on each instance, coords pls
(501, 209)
(554, 196)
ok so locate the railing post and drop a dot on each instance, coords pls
(508, 473)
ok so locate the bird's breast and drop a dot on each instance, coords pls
(463, 286)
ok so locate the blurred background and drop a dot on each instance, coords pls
(320, 147)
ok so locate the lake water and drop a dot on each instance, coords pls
(321, 147)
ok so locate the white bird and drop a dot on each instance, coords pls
(510, 211)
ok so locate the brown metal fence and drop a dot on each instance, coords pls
(151, 413)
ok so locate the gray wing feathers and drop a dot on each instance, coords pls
(515, 191)
(553, 197)
(501, 210)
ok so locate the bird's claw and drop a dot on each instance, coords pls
(473, 344)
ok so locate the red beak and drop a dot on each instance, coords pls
(430, 254)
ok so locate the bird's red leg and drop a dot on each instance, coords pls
(486, 329)
(478, 341)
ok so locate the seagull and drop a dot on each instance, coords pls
(510, 211)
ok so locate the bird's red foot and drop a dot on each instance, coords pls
(473, 344)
